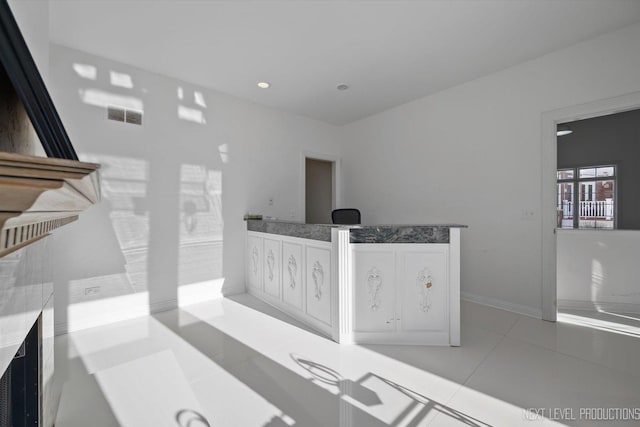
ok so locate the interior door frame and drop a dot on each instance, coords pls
(549, 147)
(336, 178)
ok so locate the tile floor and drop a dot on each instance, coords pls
(238, 362)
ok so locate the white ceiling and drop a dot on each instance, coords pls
(389, 52)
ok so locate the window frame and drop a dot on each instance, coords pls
(576, 181)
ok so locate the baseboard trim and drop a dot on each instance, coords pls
(615, 307)
(160, 306)
(503, 305)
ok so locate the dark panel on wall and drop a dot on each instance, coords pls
(28, 84)
(16, 133)
(609, 139)
(318, 191)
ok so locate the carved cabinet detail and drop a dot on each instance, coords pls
(425, 300)
(374, 290)
(292, 274)
(272, 267)
(255, 262)
(318, 291)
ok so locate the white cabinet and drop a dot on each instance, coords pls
(271, 268)
(401, 293)
(294, 275)
(292, 269)
(376, 293)
(254, 262)
(318, 280)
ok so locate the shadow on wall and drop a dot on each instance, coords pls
(156, 240)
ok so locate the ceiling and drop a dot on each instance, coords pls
(388, 52)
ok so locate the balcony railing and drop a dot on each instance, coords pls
(589, 209)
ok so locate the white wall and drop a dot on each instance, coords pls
(599, 268)
(170, 226)
(32, 17)
(472, 155)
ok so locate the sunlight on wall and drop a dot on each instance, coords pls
(121, 79)
(223, 150)
(198, 98)
(101, 98)
(86, 71)
(124, 187)
(191, 115)
(101, 311)
(200, 234)
(597, 280)
(158, 231)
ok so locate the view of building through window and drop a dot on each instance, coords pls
(587, 197)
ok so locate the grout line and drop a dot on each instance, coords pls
(489, 353)
(463, 384)
(574, 356)
(513, 325)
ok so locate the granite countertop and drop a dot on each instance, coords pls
(381, 233)
(280, 221)
(406, 225)
(320, 232)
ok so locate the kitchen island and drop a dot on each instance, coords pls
(376, 284)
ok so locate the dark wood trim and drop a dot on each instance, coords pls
(28, 83)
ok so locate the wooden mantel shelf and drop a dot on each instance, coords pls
(40, 194)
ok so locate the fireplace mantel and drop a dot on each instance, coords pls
(40, 194)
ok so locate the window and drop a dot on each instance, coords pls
(587, 197)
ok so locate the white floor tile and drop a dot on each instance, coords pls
(454, 363)
(517, 375)
(614, 350)
(489, 318)
(239, 362)
(83, 404)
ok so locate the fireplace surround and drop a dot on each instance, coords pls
(21, 384)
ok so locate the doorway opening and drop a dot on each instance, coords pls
(598, 220)
(319, 190)
(584, 200)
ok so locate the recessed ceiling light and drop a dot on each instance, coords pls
(264, 85)
(342, 87)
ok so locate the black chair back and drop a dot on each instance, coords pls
(346, 216)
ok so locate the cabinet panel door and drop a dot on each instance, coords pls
(318, 283)
(374, 291)
(292, 267)
(424, 288)
(271, 267)
(254, 264)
